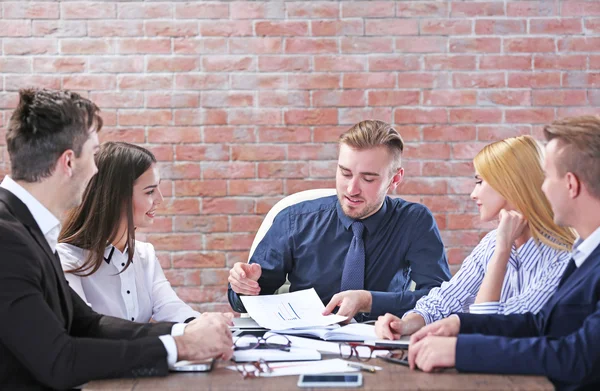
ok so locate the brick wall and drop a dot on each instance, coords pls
(242, 101)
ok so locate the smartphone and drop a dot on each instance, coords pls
(194, 366)
(396, 357)
(337, 380)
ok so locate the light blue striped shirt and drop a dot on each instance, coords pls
(532, 275)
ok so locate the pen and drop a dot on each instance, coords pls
(362, 367)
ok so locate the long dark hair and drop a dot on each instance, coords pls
(95, 223)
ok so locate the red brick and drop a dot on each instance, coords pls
(145, 82)
(420, 116)
(313, 152)
(422, 9)
(533, 80)
(90, 82)
(529, 45)
(109, 117)
(428, 151)
(324, 28)
(295, 186)
(52, 65)
(228, 241)
(350, 116)
(188, 260)
(448, 133)
(163, 153)
(227, 99)
(281, 28)
(328, 133)
(594, 97)
(460, 238)
(201, 81)
(260, 45)
(446, 27)
(255, 187)
(555, 26)
(500, 26)
(394, 63)
(130, 134)
(257, 10)
(258, 82)
(367, 45)
(445, 203)
(284, 63)
(341, 63)
(179, 170)
(208, 152)
(201, 223)
(17, 82)
(81, 10)
(592, 25)
(478, 80)
(145, 117)
(467, 151)
(409, 132)
(172, 28)
(474, 45)
(579, 44)
(172, 64)
(446, 169)
(422, 186)
(199, 45)
(369, 80)
(15, 28)
(227, 205)
(204, 188)
(283, 98)
(495, 132)
(180, 206)
(29, 46)
(204, 295)
(423, 80)
(560, 62)
(580, 79)
(449, 98)
(171, 135)
(220, 134)
(504, 98)
(530, 116)
(254, 117)
(475, 115)
(393, 98)
(559, 98)
(314, 81)
(202, 10)
(421, 45)
(311, 45)
(387, 27)
(226, 28)
(520, 62)
(322, 169)
(456, 256)
(283, 135)
(200, 117)
(580, 8)
(260, 152)
(19, 65)
(339, 98)
(59, 28)
(144, 45)
(531, 8)
(7, 101)
(245, 223)
(449, 62)
(129, 64)
(311, 116)
(229, 170)
(315, 10)
(145, 10)
(31, 10)
(470, 9)
(563, 112)
(176, 242)
(368, 9)
(228, 63)
(86, 46)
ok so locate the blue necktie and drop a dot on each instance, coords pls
(570, 269)
(353, 276)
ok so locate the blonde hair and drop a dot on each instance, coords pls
(580, 152)
(373, 133)
(513, 167)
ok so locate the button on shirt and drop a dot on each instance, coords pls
(308, 243)
(138, 293)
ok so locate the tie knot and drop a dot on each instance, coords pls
(357, 229)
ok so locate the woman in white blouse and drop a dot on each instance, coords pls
(114, 273)
(516, 267)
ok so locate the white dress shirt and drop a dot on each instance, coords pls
(50, 227)
(139, 293)
(583, 248)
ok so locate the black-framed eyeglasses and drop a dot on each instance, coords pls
(253, 369)
(276, 341)
(361, 351)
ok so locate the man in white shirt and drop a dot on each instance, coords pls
(48, 336)
(562, 341)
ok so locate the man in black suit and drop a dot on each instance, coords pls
(49, 338)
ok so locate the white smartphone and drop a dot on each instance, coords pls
(194, 366)
(336, 380)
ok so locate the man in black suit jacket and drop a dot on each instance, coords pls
(49, 338)
(562, 341)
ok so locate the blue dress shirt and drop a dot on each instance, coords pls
(308, 242)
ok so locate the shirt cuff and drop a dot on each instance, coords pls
(491, 307)
(178, 329)
(171, 348)
(424, 315)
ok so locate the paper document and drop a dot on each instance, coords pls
(350, 332)
(289, 310)
(307, 368)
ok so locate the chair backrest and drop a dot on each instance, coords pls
(292, 199)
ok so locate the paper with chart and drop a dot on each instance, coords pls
(289, 310)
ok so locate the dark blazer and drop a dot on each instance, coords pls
(49, 337)
(561, 342)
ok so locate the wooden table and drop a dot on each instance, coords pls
(393, 376)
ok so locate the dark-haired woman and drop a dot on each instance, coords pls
(114, 273)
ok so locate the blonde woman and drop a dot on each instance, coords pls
(516, 267)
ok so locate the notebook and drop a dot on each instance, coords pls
(351, 332)
(294, 354)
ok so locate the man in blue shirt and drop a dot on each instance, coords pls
(360, 249)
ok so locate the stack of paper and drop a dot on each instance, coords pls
(351, 332)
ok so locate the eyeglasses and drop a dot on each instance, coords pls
(248, 342)
(253, 369)
(360, 351)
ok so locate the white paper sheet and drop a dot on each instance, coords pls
(336, 365)
(289, 310)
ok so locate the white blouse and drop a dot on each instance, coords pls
(140, 293)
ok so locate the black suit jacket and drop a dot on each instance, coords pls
(49, 337)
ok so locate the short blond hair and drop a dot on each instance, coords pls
(374, 133)
(579, 139)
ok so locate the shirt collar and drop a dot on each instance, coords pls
(583, 248)
(371, 223)
(46, 221)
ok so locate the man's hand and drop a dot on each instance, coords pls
(350, 303)
(448, 327)
(207, 336)
(432, 352)
(389, 326)
(243, 278)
